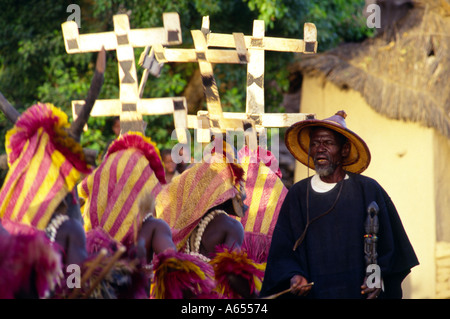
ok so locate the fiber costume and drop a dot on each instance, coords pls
(190, 195)
(184, 202)
(182, 276)
(131, 169)
(29, 266)
(45, 165)
(265, 193)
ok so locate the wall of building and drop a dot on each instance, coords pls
(442, 174)
(402, 162)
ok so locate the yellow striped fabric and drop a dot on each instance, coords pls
(265, 192)
(40, 175)
(113, 191)
(184, 201)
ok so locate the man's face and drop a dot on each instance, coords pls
(326, 151)
(116, 127)
(169, 164)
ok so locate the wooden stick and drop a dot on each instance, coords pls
(76, 128)
(4, 161)
(274, 296)
(105, 271)
(89, 272)
(11, 113)
(93, 265)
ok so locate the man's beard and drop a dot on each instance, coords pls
(325, 170)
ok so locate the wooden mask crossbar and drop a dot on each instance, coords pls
(213, 120)
(256, 45)
(130, 106)
(239, 49)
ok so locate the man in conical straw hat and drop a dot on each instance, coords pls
(318, 245)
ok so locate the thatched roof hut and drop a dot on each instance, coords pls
(403, 72)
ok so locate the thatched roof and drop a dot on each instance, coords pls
(402, 73)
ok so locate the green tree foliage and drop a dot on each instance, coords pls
(34, 65)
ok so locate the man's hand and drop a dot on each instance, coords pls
(297, 285)
(371, 293)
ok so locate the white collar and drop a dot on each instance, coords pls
(320, 186)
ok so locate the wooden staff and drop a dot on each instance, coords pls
(105, 270)
(77, 125)
(11, 113)
(371, 226)
(89, 272)
(94, 90)
(274, 296)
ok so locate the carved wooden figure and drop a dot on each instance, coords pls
(371, 227)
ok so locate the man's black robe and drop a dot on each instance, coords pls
(332, 253)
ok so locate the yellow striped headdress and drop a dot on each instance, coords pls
(265, 194)
(186, 199)
(264, 189)
(44, 165)
(131, 169)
